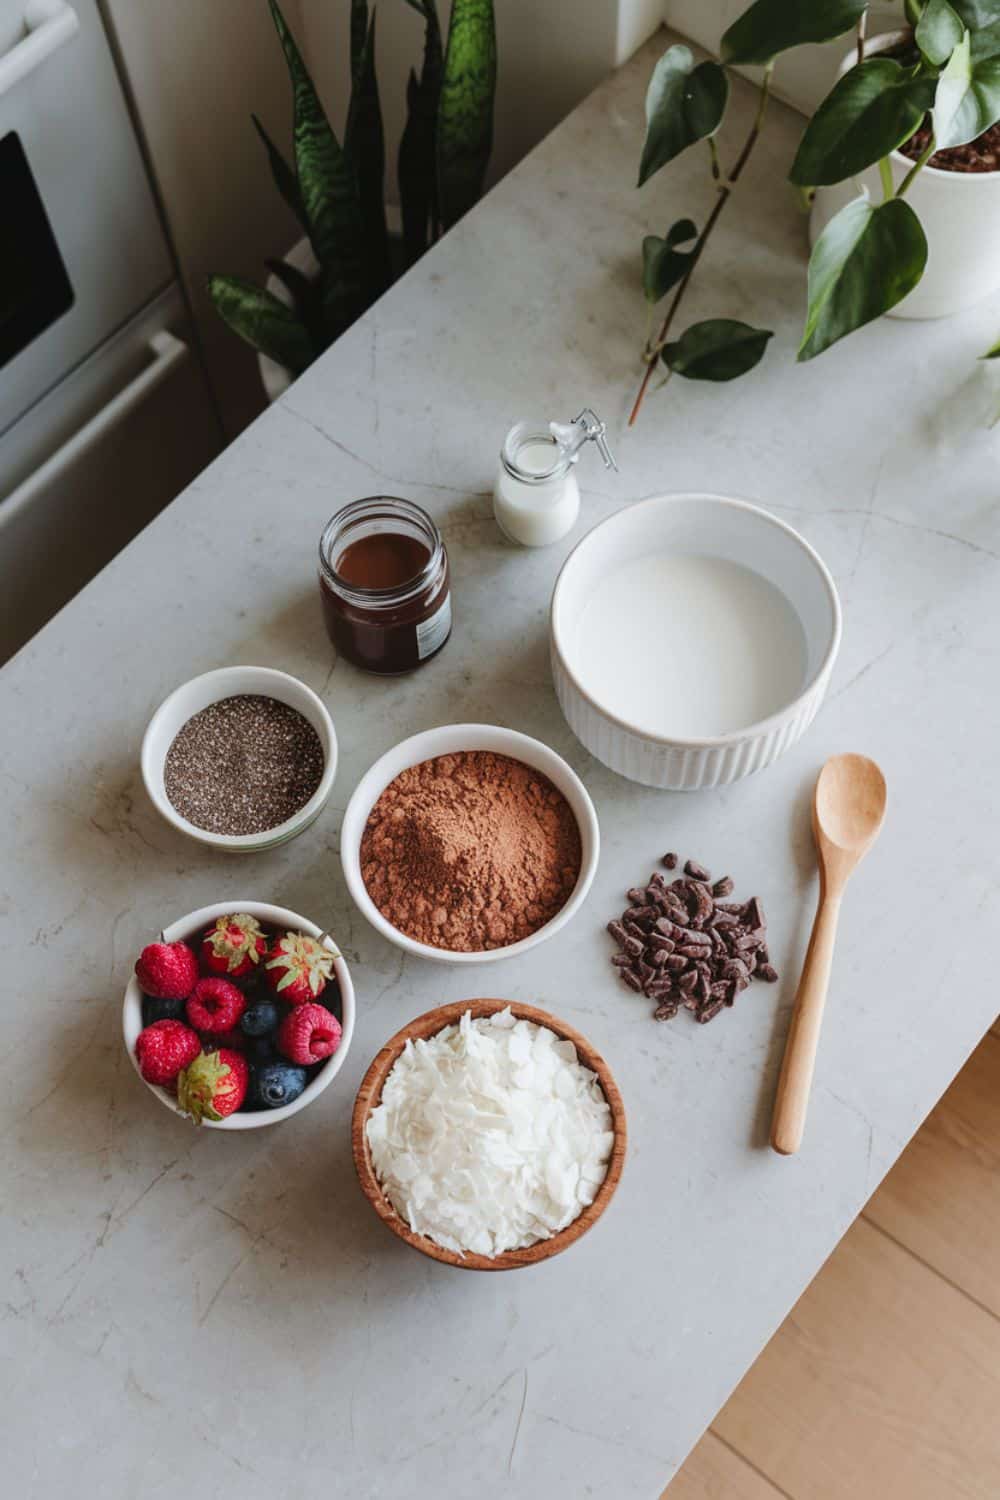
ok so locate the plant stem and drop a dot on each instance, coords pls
(920, 162)
(714, 153)
(862, 29)
(885, 171)
(725, 193)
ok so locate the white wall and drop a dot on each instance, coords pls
(551, 54)
(803, 76)
(197, 68)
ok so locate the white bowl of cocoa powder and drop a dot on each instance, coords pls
(469, 843)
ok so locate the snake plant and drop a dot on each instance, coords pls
(336, 192)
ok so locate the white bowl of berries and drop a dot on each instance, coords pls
(240, 1015)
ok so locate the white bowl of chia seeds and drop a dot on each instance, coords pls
(241, 759)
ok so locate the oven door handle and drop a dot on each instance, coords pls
(50, 23)
(168, 352)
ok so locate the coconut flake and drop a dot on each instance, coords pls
(490, 1135)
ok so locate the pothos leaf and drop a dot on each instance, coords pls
(264, 322)
(977, 13)
(874, 108)
(865, 261)
(465, 107)
(663, 265)
(684, 103)
(967, 100)
(938, 31)
(772, 26)
(993, 353)
(718, 349)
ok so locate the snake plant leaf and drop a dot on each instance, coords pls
(772, 26)
(869, 112)
(359, 35)
(307, 300)
(865, 261)
(364, 147)
(264, 322)
(417, 165)
(967, 100)
(465, 107)
(663, 265)
(938, 31)
(685, 103)
(718, 349)
(329, 191)
(284, 178)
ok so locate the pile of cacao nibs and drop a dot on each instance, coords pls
(686, 947)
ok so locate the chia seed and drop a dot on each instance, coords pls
(243, 765)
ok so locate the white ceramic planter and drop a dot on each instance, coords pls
(960, 214)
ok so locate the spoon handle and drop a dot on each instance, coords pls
(792, 1100)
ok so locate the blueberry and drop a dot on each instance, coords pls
(154, 1009)
(261, 1049)
(260, 1018)
(273, 1084)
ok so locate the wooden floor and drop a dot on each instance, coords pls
(883, 1383)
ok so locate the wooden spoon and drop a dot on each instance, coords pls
(848, 809)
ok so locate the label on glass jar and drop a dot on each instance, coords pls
(433, 633)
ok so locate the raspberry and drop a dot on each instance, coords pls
(164, 1049)
(215, 1005)
(308, 1034)
(167, 971)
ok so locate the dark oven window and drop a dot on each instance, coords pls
(34, 287)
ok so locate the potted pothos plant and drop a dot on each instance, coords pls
(903, 156)
(347, 257)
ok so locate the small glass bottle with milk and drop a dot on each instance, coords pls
(536, 498)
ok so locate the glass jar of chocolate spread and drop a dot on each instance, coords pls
(385, 584)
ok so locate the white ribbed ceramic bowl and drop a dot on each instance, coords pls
(705, 525)
(189, 930)
(448, 739)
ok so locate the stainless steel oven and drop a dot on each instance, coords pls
(104, 409)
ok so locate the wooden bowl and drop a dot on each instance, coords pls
(370, 1093)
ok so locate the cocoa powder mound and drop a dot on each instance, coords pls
(470, 851)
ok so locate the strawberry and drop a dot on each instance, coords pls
(298, 968)
(167, 971)
(233, 945)
(163, 1049)
(213, 1085)
(308, 1034)
(215, 1005)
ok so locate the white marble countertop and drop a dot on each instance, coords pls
(184, 1308)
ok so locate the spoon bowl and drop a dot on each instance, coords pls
(849, 804)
